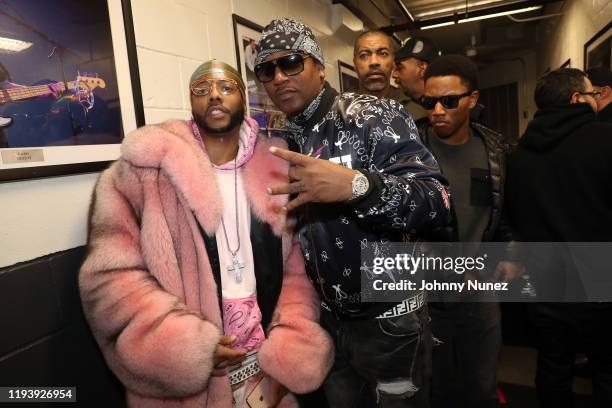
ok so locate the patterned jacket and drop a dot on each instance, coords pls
(406, 198)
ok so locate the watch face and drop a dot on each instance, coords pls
(360, 185)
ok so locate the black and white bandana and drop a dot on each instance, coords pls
(286, 34)
(295, 125)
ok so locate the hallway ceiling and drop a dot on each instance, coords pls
(497, 35)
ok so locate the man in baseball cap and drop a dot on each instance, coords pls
(601, 78)
(411, 61)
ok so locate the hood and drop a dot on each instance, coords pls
(551, 125)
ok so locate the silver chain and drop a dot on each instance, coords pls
(237, 220)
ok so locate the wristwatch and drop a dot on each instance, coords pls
(360, 185)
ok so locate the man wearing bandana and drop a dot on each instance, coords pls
(189, 261)
(360, 177)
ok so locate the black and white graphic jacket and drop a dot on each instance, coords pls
(407, 196)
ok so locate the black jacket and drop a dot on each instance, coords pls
(497, 151)
(559, 178)
(559, 189)
(406, 197)
(605, 115)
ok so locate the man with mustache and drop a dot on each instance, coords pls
(467, 333)
(373, 59)
(189, 260)
(361, 178)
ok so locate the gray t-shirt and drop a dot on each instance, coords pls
(467, 170)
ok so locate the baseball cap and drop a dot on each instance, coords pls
(600, 76)
(419, 48)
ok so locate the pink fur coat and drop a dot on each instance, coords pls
(147, 286)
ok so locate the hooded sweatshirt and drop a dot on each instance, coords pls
(560, 177)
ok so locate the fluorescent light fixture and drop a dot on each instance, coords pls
(11, 45)
(401, 3)
(459, 6)
(486, 16)
(504, 13)
(437, 25)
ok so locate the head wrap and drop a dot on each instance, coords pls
(213, 69)
(286, 34)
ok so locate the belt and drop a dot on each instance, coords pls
(248, 368)
(409, 305)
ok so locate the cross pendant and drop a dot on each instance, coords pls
(235, 268)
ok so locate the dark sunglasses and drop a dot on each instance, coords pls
(448, 101)
(291, 64)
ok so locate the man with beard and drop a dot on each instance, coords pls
(189, 260)
(473, 158)
(362, 179)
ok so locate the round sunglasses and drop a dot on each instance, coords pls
(224, 86)
(290, 65)
(448, 101)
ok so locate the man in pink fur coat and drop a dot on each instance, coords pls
(189, 262)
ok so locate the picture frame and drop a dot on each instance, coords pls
(89, 96)
(347, 76)
(261, 108)
(598, 50)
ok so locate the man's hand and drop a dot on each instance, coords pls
(507, 271)
(315, 180)
(225, 356)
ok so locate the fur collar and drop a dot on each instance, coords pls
(171, 147)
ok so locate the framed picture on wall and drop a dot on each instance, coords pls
(261, 108)
(349, 81)
(69, 86)
(598, 50)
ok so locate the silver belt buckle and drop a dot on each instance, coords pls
(248, 368)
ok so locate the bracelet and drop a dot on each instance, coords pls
(271, 326)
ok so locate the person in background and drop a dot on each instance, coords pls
(373, 59)
(411, 61)
(557, 191)
(601, 79)
(473, 158)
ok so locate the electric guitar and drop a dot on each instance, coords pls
(81, 88)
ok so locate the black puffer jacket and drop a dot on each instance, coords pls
(498, 152)
(407, 195)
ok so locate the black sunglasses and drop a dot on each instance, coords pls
(448, 101)
(291, 64)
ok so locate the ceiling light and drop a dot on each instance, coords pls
(504, 13)
(438, 25)
(486, 16)
(461, 7)
(408, 13)
(9, 45)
